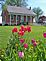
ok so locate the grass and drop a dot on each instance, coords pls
(5, 32)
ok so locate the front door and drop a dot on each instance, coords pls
(24, 18)
(28, 18)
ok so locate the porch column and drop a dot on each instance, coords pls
(21, 19)
(26, 18)
(16, 19)
(32, 19)
(10, 19)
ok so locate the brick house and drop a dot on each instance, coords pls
(16, 15)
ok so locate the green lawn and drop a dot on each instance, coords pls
(5, 32)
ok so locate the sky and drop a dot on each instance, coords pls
(38, 3)
(33, 3)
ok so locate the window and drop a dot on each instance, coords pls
(28, 18)
(18, 17)
(12, 17)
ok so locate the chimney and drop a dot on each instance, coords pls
(29, 8)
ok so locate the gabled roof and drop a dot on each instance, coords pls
(20, 10)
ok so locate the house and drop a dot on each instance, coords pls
(42, 18)
(17, 15)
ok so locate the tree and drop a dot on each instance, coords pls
(38, 12)
(4, 6)
(16, 2)
(13, 3)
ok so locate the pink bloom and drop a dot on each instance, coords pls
(21, 54)
(35, 44)
(44, 34)
(33, 40)
(21, 40)
(26, 45)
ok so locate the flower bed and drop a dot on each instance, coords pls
(20, 48)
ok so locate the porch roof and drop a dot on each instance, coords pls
(20, 10)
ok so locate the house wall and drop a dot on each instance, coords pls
(25, 18)
(5, 18)
(8, 19)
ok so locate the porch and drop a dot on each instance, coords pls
(18, 19)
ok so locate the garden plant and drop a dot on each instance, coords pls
(21, 48)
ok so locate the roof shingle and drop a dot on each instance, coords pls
(20, 10)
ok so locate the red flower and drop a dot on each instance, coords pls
(35, 44)
(21, 40)
(44, 34)
(25, 29)
(22, 28)
(28, 28)
(21, 33)
(33, 40)
(14, 30)
(26, 45)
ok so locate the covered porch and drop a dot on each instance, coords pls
(20, 19)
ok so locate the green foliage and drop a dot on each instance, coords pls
(32, 53)
(5, 33)
(16, 2)
(2, 55)
(38, 12)
(4, 7)
(13, 3)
